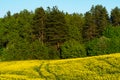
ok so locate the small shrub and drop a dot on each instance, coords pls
(98, 46)
(103, 45)
(23, 50)
(112, 32)
(53, 53)
(72, 49)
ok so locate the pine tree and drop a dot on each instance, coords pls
(115, 16)
(89, 30)
(55, 27)
(101, 18)
(39, 24)
(74, 24)
(95, 22)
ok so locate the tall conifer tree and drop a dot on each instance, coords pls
(55, 27)
(39, 23)
(115, 16)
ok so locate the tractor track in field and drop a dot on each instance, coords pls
(45, 66)
(48, 70)
(38, 70)
(113, 65)
(108, 62)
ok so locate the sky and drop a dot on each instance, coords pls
(70, 6)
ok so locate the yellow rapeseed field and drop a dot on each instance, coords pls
(105, 67)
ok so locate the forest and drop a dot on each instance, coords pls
(55, 34)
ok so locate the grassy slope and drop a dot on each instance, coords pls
(105, 67)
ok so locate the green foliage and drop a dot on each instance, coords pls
(23, 50)
(55, 27)
(89, 29)
(101, 18)
(74, 33)
(112, 32)
(72, 49)
(38, 50)
(114, 45)
(98, 46)
(1, 52)
(53, 53)
(115, 14)
(75, 24)
(15, 50)
(53, 34)
(103, 45)
(38, 24)
(95, 22)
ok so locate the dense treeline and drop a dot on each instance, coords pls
(54, 34)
